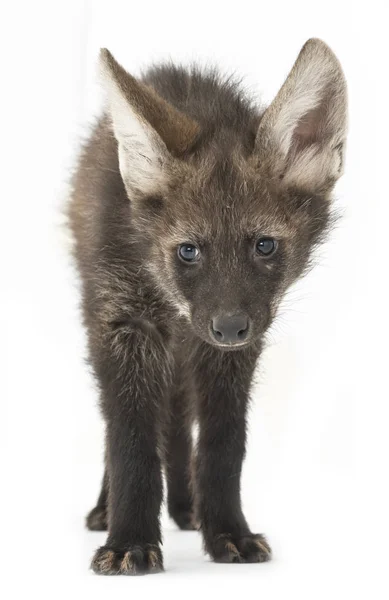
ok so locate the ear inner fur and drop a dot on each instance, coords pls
(302, 133)
(177, 130)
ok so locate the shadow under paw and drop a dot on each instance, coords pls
(97, 519)
(135, 560)
(252, 548)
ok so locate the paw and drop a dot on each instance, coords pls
(97, 519)
(185, 519)
(135, 560)
(252, 548)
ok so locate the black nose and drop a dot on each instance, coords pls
(230, 329)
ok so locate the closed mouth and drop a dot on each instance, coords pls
(232, 345)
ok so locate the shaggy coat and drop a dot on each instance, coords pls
(193, 211)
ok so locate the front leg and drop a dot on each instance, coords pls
(224, 382)
(133, 367)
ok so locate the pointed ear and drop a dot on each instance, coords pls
(302, 134)
(149, 130)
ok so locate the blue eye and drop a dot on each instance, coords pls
(266, 246)
(188, 252)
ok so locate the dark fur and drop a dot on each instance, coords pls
(159, 370)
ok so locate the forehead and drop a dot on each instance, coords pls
(227, 198)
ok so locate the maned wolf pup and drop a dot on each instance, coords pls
(193, 211)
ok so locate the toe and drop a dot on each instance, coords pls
(105, 562)
(224, 550)
(254, 548)
(141, 560)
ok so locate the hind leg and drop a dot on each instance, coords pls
(96, 520)
(179, 447)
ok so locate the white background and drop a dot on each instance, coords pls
(316, 472)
